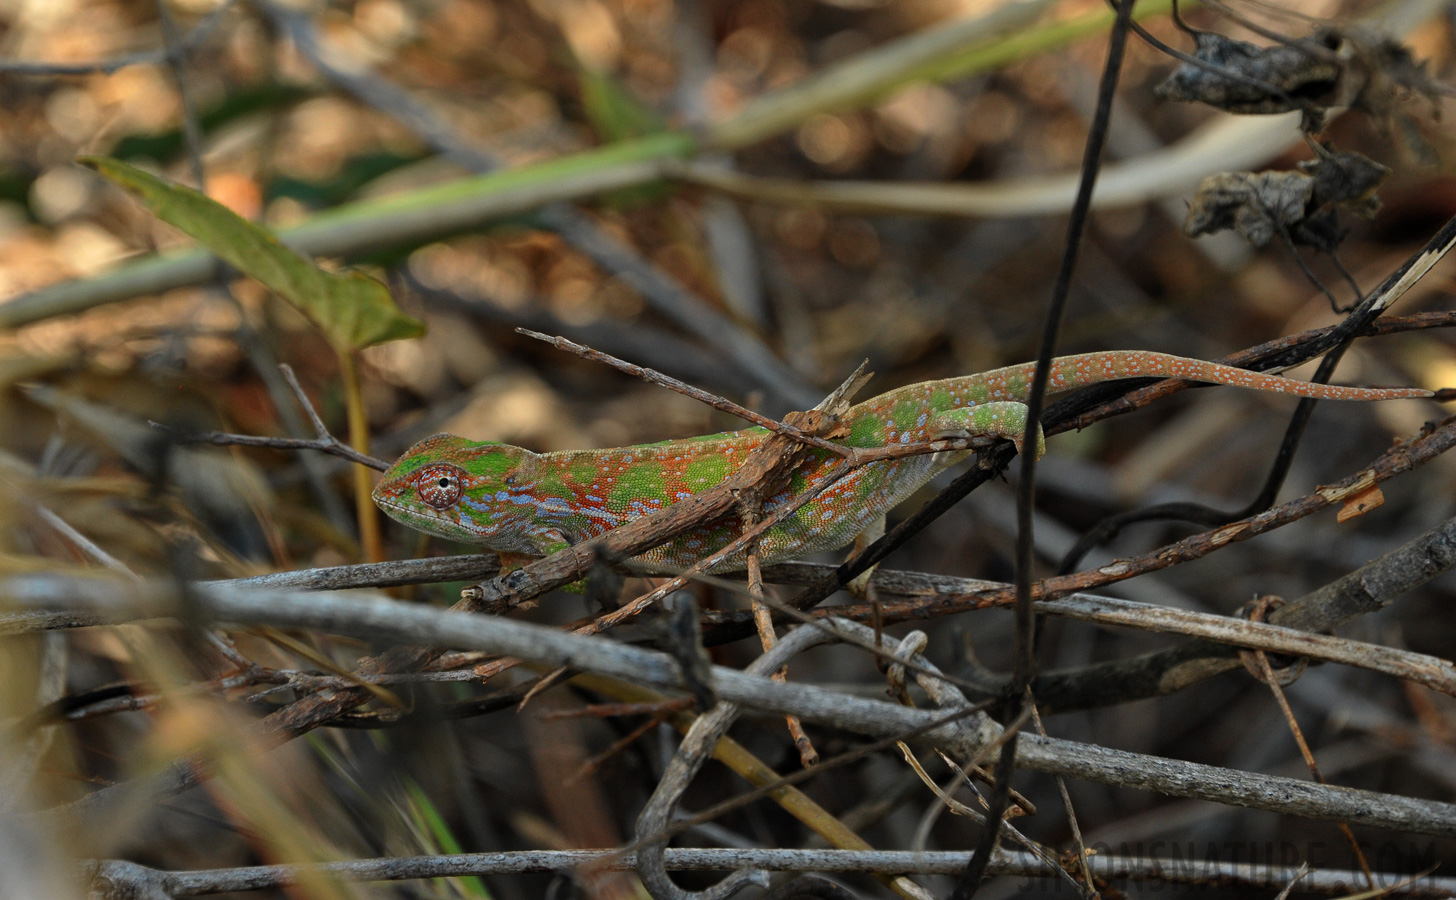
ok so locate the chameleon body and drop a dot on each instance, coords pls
(515, 501)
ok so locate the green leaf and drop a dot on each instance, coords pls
(469, 885)
(353, 309)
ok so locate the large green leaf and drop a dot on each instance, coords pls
(353, 309)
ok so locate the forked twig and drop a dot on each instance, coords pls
(652, 376)
(324, 443)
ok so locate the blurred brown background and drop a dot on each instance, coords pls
(420, 93)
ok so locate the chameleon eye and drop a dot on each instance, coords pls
(439, 486)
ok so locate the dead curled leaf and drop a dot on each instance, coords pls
(1336, 67)
(1255, 204)
(1241, 77)
(1302, 204)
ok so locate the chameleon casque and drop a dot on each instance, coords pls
(515, 501)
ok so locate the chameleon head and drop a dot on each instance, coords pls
(462, 490)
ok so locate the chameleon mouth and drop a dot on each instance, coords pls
(443, 524)
(414, 518)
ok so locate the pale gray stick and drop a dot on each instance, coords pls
(940, 862)
(392, 573)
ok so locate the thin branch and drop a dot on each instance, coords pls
(1251, 876)
(392, 573)
(324, 443)
(176, 56)
(1086, 883)
(661, 347)
(1264, 671)
(1368, 589)
(329, 445)
(83, 543)
(652, 376)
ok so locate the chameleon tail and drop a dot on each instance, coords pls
(1094, 368)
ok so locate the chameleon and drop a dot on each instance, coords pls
(517, 502)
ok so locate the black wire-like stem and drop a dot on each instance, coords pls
(1024, 667)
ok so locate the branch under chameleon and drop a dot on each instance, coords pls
(515, 501)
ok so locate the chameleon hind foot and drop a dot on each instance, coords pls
(859, 586)
(999, 418)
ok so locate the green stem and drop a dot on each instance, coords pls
(944, 53)
(369, 535)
